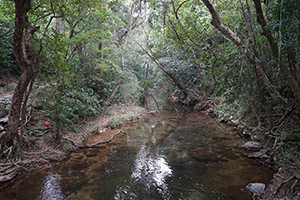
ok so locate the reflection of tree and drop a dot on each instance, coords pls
(148, 176)
(51, 188)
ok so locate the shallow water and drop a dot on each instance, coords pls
(172, 156)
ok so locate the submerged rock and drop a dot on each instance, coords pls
(256, 188)
(252, 146)
(203, 155)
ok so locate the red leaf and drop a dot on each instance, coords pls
(46, 123)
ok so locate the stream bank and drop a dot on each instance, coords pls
(42, 151)
(285, 183)
(275, 147)
(181, 154)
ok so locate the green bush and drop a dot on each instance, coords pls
(65, 108)
(8, 64)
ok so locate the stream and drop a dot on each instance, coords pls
(176, 155)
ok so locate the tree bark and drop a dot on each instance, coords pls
(27, 65)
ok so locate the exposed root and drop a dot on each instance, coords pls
(285, 183)
(10, 168)
(8, 171)
(104, 142)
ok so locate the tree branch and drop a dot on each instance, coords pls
(104, 142)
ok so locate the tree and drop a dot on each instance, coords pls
(26, 58)
(8, 64)
(216, 22)
(284, 67)
(55, 52)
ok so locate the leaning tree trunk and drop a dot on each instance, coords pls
(27, 64)
(177, 83)
(217, 23)
(117, 85)
(285, 70)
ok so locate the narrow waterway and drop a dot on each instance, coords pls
(172, 156)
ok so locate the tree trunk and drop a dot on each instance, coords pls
(177, 83)
(217, 23)
(114, 92)
(275, 52)
(27, 65)
(117, 85)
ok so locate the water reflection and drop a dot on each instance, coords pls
(182, 157)
(52, 188)
(149, 175)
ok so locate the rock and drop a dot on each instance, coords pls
(252, 146)
(260, 154)
(256, 188)
(235, 121)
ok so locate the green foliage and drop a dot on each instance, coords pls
(65, 109)
(230, 112)
(115, 122)
(284, 19)
(130, 90)
(8, 65)
(120, 120)
(4, 109)
(290, 156)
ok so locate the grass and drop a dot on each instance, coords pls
(123, 119)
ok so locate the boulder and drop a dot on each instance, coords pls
(256, 188)
(260, 154)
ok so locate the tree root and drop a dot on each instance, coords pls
(8, 176)
(104, 142)
(8, 171)
(10, 168)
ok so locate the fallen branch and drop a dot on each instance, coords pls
(104, 142)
